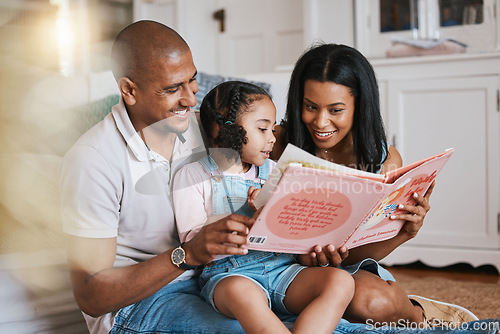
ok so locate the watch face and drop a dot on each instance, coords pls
(178, 256)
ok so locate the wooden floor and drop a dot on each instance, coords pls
(460, 272)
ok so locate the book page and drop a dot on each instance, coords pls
(312, 207)
(378, 226)
(391, 176)
(294, 155)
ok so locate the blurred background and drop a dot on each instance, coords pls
(44, 45)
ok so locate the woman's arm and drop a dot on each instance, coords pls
(393, 161)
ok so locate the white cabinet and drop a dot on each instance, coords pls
(434, 103)
(373, 41)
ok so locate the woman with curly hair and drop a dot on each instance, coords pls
(239, 120)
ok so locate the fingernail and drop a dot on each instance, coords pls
(393, 217)
(331, 248)
(248, 230)
(401, 206)
(318, 249)
(415, 195)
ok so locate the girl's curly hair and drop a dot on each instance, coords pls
(224, 105)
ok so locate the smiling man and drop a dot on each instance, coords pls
(128, 271)
(157, 80)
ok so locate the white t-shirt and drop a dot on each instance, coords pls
(192, 181)
(112, 185)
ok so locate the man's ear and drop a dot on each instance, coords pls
(128, 90)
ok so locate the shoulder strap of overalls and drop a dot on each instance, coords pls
(264, 170)
(209, 165)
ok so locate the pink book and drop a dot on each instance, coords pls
(309, 201)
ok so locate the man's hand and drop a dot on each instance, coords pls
(227, 236)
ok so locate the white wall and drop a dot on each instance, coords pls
(196, 25)
(331, 21)
(324, 20)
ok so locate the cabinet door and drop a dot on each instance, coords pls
(373, 40)
(426, 117)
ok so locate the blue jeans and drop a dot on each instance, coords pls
(272, 272)
(178, 308)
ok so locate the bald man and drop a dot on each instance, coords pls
(127, 269)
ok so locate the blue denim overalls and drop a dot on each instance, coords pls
(273, 272)
(230, 193)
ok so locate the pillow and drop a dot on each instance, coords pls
(90, 114)
(57, 131)
(82, 118)
(208, 81)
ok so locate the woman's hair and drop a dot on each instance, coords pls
(345, 66)
(224, 105)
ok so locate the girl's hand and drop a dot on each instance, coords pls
(252, 194)
(327, 256)
(415, 214)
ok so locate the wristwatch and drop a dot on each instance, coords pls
(178, 257)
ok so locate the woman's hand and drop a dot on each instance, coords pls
(327, 256)
(415, 214)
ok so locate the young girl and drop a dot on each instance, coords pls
(333, 111)
(239, 119)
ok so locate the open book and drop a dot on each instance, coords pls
(309, 201)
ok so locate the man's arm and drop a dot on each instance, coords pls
(99, 288)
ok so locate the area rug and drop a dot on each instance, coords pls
(482, 299)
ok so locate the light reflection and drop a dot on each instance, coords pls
(65, 38)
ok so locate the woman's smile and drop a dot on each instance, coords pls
(322, 135)
(327, 112)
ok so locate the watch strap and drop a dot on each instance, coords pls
(186, 266)
(183, 265)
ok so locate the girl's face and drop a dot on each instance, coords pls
(327, 112)
(259, 123)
